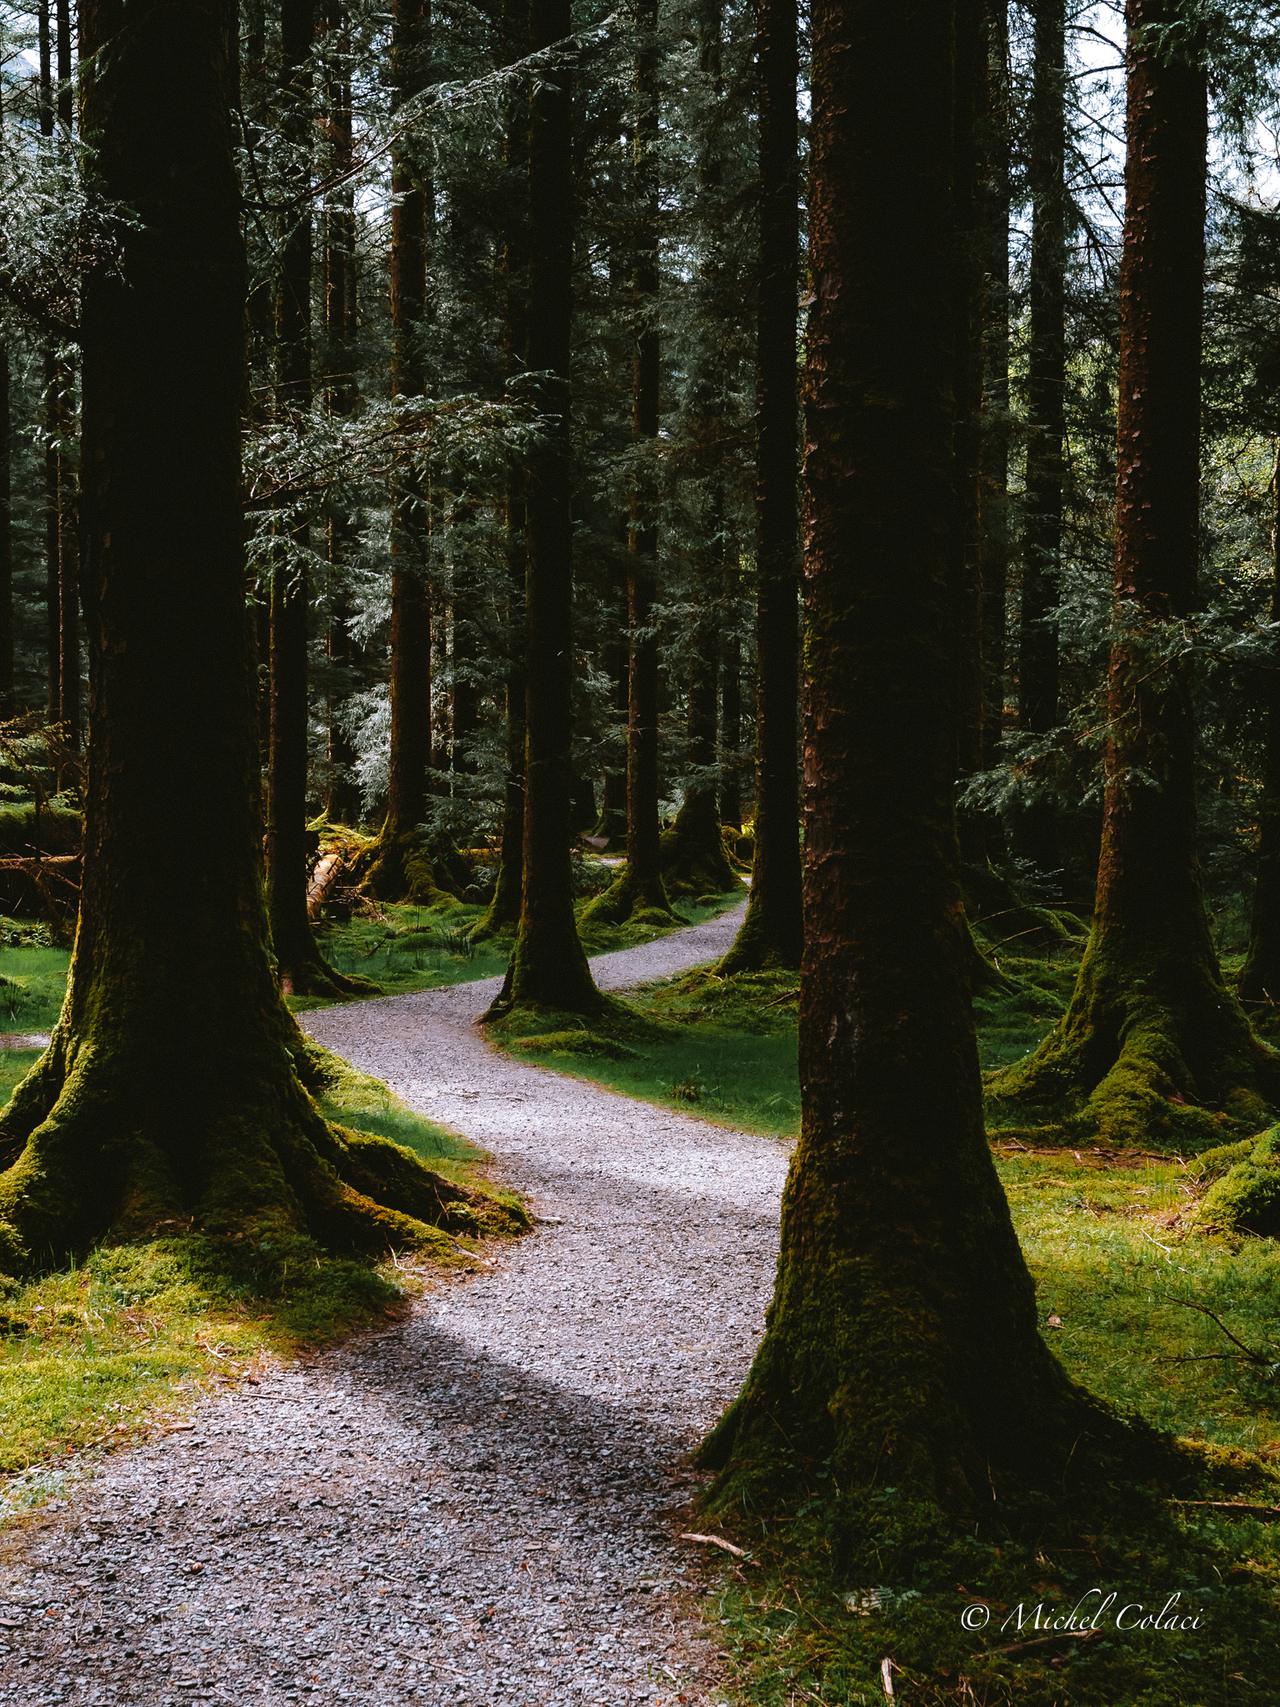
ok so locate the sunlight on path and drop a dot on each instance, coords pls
(476, 1506)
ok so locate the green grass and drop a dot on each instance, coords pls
(33, 977)
(404, 948)
(90, 1354)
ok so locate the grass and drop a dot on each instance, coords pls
(1117, 1267)
(91, 1354)
(405, 948)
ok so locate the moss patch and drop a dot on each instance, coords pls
(90, 1354)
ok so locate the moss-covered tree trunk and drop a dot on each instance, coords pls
(302, 969)
(1038, 667)
(548, 968)
(771, 931)
(1152, 1046)
(49, 394)
(693, 850)
(1260, 975)
(402, 870)
(171, 1089)
(901, 1349)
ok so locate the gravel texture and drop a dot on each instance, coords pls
(480, 1504)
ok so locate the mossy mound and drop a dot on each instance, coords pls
(571, 1042)
(1245, 1197)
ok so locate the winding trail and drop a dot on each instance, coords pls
(478, 1505)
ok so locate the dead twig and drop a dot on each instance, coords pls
(715, 1541)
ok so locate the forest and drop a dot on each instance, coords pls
(640, 852)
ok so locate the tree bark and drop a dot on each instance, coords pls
(302, 969)
(402, 870)
(68, 486)
(693, 852)
(548, 968)
(639, 890)
(996, 196)
(731, 706)
(901, 1348)
(1152, 1047)
(771, 932)
(1260, 975)
(1046, 410)
(340, 318)
(503, 911)
(6, 521)
(49, 394)
(171, 1090)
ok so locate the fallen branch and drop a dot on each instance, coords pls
(1046, 1641)
(715, 1541)
(1245, 1508)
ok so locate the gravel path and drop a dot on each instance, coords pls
(479, 1504)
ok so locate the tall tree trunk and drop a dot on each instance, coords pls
(402, 870)
(302, 968)
(343, 793)
(771, 931)
(49, 394)
(693, 852)
(731, 706)
(548, 967)
(68, 486)
(1152, 1047)
(172, 1089)
(612, 822)
(1046, 411)
(996, 196)
(640, 889)
(901, 1347)
(6, 520)
(968, 279)
(503, 911)
(1260, 975)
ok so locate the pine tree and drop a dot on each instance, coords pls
(1152, 1045)
(771, 931)
(173, 1085)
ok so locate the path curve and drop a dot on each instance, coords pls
(476, 1506)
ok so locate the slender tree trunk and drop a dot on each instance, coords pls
(901, 1347)
(6, 521)
(1152, 1047)
(771, 931)
(172, 1089)
(343, 795)
(1046, 411)
(49, 392)
(503, 912)
(68, 486)
(402, 870)
(1260, 976)
(966, 560)
(548, 967)
(995, 210)
(612, 822)
(693, 852)
(731, 707)
(640, 889)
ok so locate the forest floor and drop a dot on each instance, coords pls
(480, 1503)
(484, 1502)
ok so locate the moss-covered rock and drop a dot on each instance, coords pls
(1246, 1197)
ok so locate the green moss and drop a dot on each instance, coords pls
(1246, 1197)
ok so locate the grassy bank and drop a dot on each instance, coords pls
(91, 1354)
